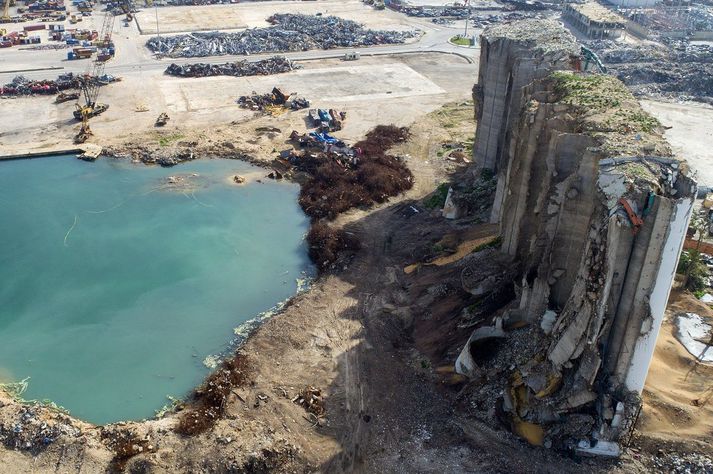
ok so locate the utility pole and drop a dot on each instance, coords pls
(158, 32)
(466, 5)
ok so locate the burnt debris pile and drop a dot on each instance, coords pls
(371, 176)
(289, 32)
(265, 67)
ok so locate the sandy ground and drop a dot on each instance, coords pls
(678, 398)
(690, 133)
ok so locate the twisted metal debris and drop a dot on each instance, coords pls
(289, 33)
(265, 67)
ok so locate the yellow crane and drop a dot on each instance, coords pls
(87, 105)
(6, 11)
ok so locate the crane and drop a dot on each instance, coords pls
(6, 11)
(87, 105)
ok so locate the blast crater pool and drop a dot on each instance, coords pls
(116, 283)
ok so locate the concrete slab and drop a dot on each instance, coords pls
(254, 15)
(346, 84)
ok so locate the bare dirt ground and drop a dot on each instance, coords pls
(678, 398)
(373, 91)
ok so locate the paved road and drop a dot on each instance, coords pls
(133, 57)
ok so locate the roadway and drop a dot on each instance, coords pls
(133, 57)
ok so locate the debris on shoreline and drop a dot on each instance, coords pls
(327, 243)
(265, 67)
(291, 32)
(33, 430)
(211, 398)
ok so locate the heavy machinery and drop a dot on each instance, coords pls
(591, 57)
(87, 105)
(5, 18)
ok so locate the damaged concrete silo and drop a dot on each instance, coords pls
(511, 57)
(593, 210)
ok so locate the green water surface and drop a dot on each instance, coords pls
(115, 287)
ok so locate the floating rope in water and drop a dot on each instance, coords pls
(76, 219)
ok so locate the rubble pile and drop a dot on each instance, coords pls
(682, 71)
(290, 33)
(265, 67)
(33, 430)
(482, 21)
(458, 13)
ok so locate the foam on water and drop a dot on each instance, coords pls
(114, 288)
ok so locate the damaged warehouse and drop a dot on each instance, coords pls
(593, 209)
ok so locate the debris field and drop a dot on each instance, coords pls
(265, 67)
(290, 33)
(683, 71)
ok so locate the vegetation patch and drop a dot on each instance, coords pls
(692, 266)
(460, 40)
(437, 199)
(166, 140)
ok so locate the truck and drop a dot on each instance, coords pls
(80, 53)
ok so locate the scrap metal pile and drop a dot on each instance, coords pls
(21, 85)
(289, 33)
(682, 71)
(265, 67)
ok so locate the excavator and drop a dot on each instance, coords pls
(87, 105)
(590, 57)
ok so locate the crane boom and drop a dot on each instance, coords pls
(6, 11)
(89, 83)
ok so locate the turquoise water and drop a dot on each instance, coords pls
(115, 287)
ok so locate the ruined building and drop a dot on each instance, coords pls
(593, 209)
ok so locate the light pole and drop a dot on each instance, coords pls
(466, 4)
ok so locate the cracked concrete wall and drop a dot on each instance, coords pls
(510, 59)
(579, 152)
